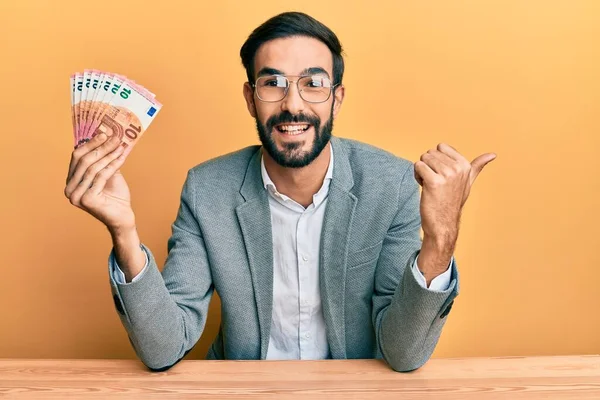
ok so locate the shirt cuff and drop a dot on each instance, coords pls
(119, 275)
(440, 283)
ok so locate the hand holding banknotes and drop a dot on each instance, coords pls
(95, 184)
(110, 113)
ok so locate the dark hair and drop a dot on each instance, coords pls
(292, 24)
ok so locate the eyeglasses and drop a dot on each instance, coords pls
(312, 88)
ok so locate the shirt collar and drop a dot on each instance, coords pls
(317, 197)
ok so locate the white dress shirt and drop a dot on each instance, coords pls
(298, 328)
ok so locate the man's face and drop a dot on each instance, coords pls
(292, 130)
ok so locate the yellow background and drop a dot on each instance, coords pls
(519, 78)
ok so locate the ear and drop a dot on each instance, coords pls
(338, 98)
(249, 96)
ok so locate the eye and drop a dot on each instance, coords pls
(273, 81)
(316, 82)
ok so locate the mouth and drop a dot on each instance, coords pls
(292, 129)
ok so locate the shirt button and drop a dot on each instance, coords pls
(305, 257)
(307, 335)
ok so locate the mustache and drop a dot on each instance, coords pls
(287, 117)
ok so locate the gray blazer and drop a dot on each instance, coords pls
(221, 240)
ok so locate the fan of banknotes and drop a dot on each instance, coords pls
(103, 102)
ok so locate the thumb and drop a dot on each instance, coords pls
(480, 162)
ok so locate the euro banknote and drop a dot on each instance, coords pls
(105, 102)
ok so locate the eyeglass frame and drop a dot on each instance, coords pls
(287, 89)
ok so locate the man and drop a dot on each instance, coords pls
(311, 241)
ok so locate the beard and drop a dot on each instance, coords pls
(292, 156)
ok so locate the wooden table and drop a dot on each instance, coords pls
(572, 377)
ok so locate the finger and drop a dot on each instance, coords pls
(424, 174)
(86, 182)
(417, 175)
(98, 150)
(480, 162)
(451, 152)
(444, 158)
(90, 174)
(434, 162)
(83, 150)
(108, 172)
(455, 167)
(89, 159)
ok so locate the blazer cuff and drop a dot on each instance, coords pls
(440, 283)
(119, 276)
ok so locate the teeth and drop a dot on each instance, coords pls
(293, 128)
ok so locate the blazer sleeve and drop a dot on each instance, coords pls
(407, 317)
(165, 314)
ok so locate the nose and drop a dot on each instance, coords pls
(292, 102)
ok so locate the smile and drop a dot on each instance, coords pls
(292, 129)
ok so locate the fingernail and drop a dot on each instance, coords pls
(102, 137)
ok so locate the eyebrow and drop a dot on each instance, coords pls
(307, 71)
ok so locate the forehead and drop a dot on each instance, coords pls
(292, 55)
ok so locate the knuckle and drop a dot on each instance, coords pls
(78, 153)
(112, 142)
(114, 155)
(103, 175)
(438, 181)
(446, 171)
(459, 169)
(87, 176)
(93, 170)
(86, 160)
(112, 147)
(108, 172)
(109, 147)
(86, 200)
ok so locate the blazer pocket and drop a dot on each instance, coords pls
(364, 256)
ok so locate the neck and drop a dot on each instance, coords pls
(299, 184)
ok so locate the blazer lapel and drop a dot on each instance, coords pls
(334, 249)
(254, 217)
